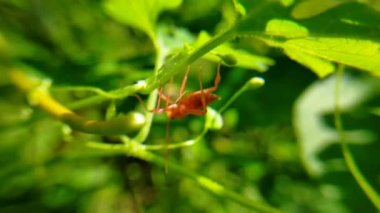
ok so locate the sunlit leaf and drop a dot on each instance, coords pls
(362, 54)
(310, 8)
(320, 66)
(239, 8)
(285, 28)
(321, 24)
(353, 45)
(141, 14)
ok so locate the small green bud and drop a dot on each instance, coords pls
(135, 120)
(214, 120)
(254, 83)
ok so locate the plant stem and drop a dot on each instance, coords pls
(41, 97)
(152, 99)
(162, 73)
(211, 44)
(138, 150)
(116, 94)
(178, 145)
(252, 83)
(348, 157)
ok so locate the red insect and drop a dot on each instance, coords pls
(189, 103)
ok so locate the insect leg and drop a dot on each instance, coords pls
(158, 108)
(184, 81)
(216, 81)
(159, 99)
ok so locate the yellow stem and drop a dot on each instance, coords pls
(41, 97)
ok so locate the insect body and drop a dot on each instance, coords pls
(191, 103)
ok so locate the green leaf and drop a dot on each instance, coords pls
(310, 8)
(239, 9)
(319, 66)
(141, 14)
(349, 40)
(285, 28)
(362, 54)
(287, 3)
(244, 58)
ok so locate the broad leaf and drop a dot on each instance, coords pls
(310, 8)
(285, 28)
(362, 54)
(141, 14)
(349, 40)
(318, 65)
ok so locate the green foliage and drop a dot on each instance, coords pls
(312, 8)
(243, 58)
(139, 14)
(312, 47)
(362, 54)
(316, 135)
(285, 29)
(305, 141)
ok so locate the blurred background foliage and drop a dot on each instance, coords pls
(260, 151)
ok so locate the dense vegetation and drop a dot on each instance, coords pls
(295, 128)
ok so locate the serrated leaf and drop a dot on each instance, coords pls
(361, 54)
(285, 28)
(323, 24)
(141, 14)
(348, 44)
(319, 66)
